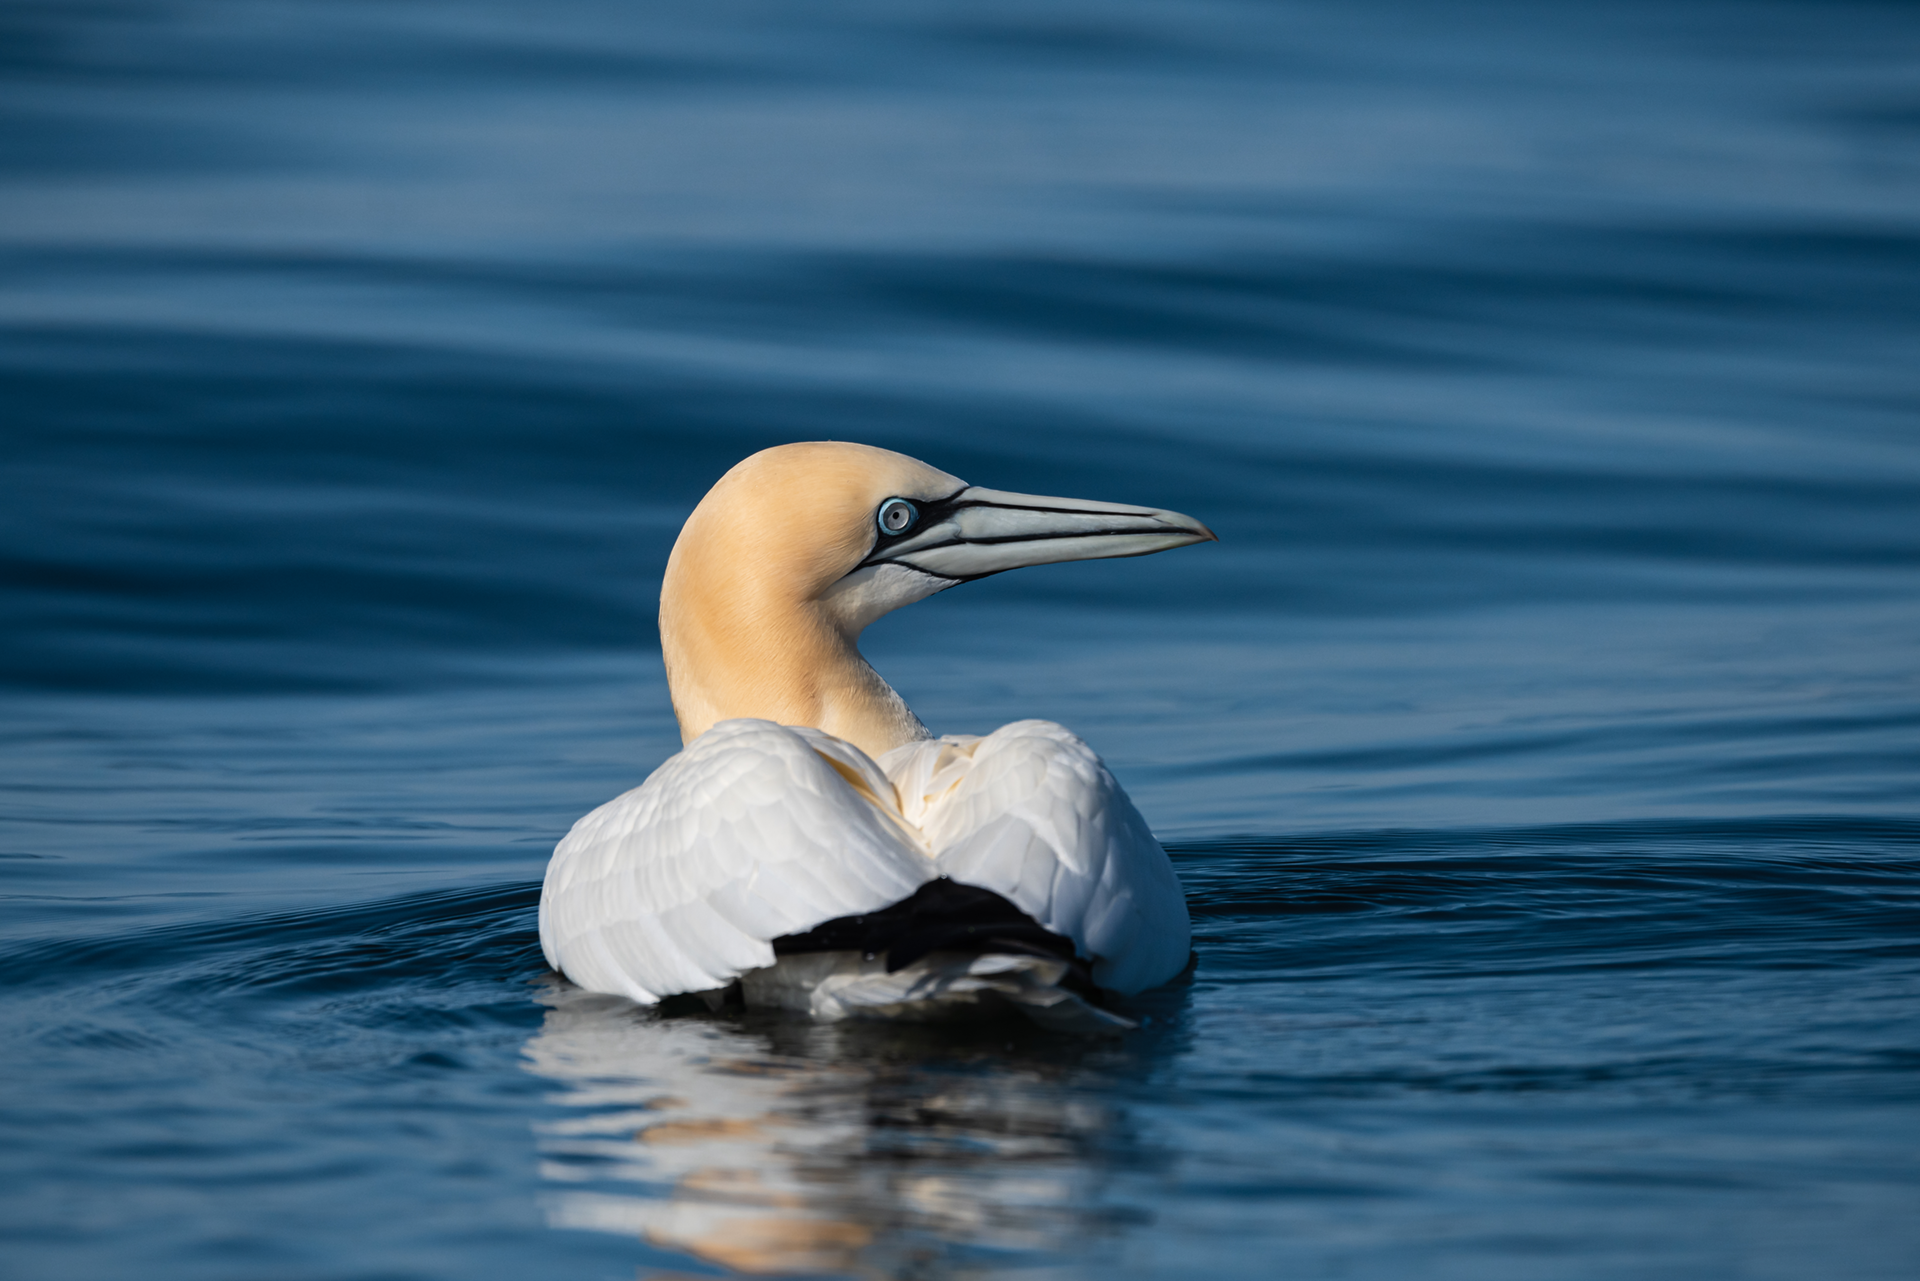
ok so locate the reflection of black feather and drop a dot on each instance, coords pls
(943, 916)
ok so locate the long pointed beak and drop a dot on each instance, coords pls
(978, 532)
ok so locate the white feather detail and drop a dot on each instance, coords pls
(750, 833)
(1031, 813)
(758, 830)
(940, 987)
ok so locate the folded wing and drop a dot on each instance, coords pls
(1031, 813)
(755, 831)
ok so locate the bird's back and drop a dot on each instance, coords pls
(759, 834)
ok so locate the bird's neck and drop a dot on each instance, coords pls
(731, 655)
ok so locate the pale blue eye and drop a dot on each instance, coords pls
(896, 516)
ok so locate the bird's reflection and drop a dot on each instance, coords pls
(783, 1146)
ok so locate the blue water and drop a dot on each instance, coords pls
(1540, 746)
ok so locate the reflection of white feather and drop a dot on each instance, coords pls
(758, 830)
(704, 1136)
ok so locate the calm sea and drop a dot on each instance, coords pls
(1540, 746)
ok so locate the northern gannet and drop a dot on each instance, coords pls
(814, 846)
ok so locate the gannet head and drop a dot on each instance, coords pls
(804, 545)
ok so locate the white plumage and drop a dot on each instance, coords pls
(759, 830)
(749, 834)
(752, 833)
(1032, 814)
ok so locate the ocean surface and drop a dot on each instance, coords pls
(1539, 746)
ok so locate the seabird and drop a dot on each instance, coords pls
(814, 847)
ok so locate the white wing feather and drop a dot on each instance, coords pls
(754, 831)
(757, 830)
(1031, 813)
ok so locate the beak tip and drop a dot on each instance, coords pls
(1200, 532)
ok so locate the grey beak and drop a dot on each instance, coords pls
(978, 532)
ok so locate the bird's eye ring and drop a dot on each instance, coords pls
(896, 516)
